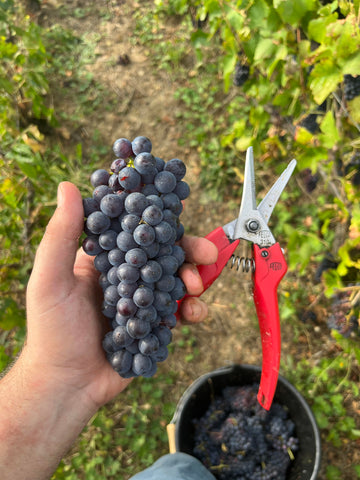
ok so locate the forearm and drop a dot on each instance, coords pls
(39, 422)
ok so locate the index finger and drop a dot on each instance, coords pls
(199, 250)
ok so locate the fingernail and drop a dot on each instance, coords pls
(195, 310)
(60, 195)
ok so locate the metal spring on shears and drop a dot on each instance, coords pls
(245, 264)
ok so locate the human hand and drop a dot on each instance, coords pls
(65, 326)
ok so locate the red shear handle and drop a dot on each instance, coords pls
(226, 247)
(270, 268)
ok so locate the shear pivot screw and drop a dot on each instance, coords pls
(264, 253)
(252, 225)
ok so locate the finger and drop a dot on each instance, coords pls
(199, 250)
(193, 310)
(189, 274)
(55, 257)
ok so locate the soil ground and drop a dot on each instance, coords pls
(144, 104)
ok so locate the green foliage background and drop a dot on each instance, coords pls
(298, 54)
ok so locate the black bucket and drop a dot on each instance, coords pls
(197, 398)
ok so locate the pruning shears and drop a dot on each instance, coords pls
(268, 267)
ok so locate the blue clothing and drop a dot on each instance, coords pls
(175, 466)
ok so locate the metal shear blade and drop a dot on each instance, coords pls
(252, 222)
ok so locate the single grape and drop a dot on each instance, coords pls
(129, 178)
(101, 262)
(151, 272)
(176, 167)
(125, 241)
(149, 344)
(126, 289)
(100, 192)
(122, 148)
(145, 163)
(97, 222)
(128, 273)
(90, 205)
(112, 205)
(141, 144)
(129, 222)
(152, 215)
(117, 165)
(121, 361)
(107, 240)
(163, 232)
(136, 203)
(126, 307)
(136, 257)
(137, 328)
(99, 177)
(141, 364)
(144, 235)
(143, 297)
(165, 182)
(111, 295)
(91, 245)
(120, 337)
(116, 256)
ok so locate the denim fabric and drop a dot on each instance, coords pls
(175, 466)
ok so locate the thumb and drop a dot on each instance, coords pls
(55, 257)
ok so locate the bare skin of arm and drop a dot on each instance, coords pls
(62, 377)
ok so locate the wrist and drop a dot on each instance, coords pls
(39, 416)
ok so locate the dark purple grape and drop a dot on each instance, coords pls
(101, 262)
(99, 177)
(122, 148)
(117, 165)
(111, 276)
(138, 328)
(111, 295)
(126, 307)
(97, 222)
(129, 222)
(173, 203)
(145, 163)
(165, 182)
(182, 190)
(164, 334)
(100, 192)
(129, 178)
(141, 144)
(151, 272)
(125, 241)
(152, 215)
(112, 205)
(116, 256)
(136, 257)
(91, 245)
(149, 344)
(143, 297)
(141, 364)
(128, 273)
(121, 338)
(90, 205)
(176, 167)
(136, 203)
(114, 183)
(144, 235)
(121, 361)
(166, 283)
(126, 289)
(163, 232)
(107, 240)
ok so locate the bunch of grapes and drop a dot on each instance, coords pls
(132, 226)
(241, 74)
(236, 439)
(351, 87)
